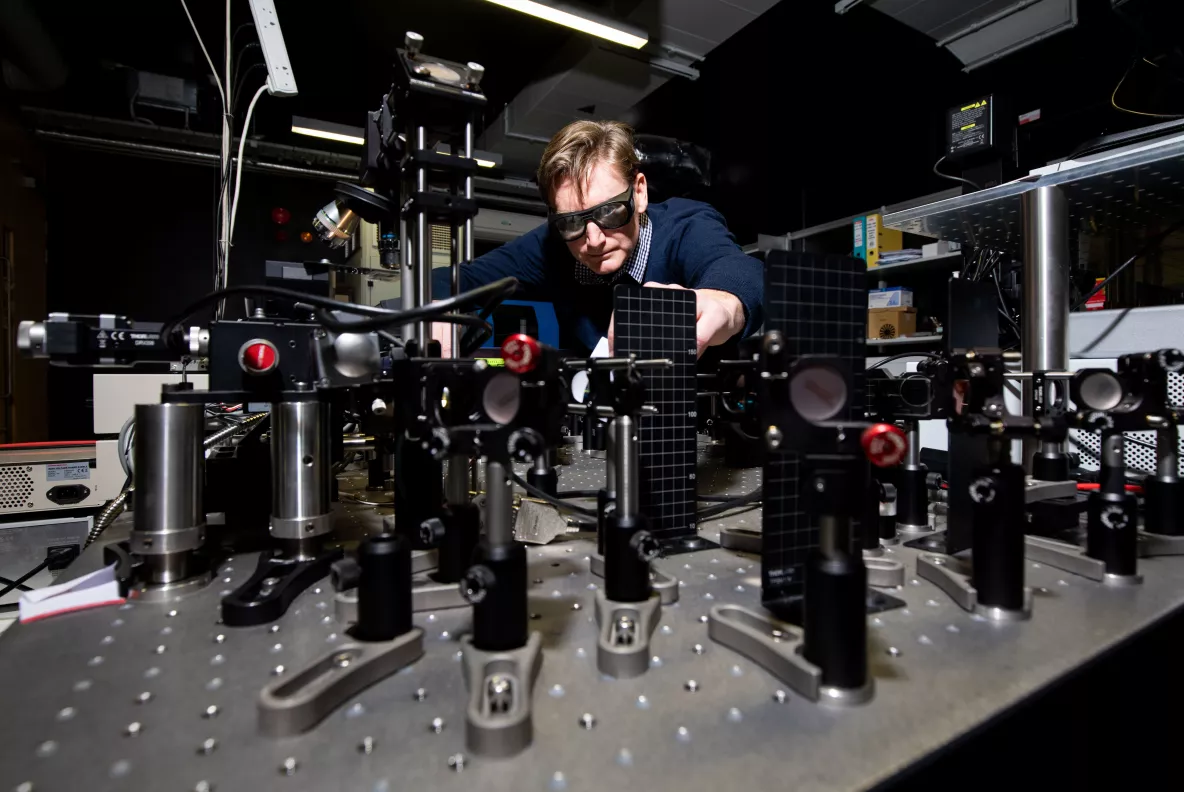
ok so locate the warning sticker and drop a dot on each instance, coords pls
(67, 471)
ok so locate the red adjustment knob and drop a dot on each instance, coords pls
(884, 444)
(258, 356)
(521, 353)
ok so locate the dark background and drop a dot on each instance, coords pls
(810, 116)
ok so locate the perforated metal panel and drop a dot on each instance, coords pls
(16, 485)
(1140, 446)
(660, 323)
(819, 305)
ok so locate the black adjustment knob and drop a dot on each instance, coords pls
(645, 545)
(344, 574)
(431, 532)
(476, 584)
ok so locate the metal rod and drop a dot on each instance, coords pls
(189, 156)
(466, 254)
(423, 249)
(499, 505)
(457, 482)
(1166, 453)
(912, 454)
(610, 459)
(1045, 340)
(628, 480)
(406, 276)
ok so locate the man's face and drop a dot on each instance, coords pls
(603, 252)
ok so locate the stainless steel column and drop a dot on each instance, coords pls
(465, 255)
(170, 477)
(301, 488)
(628, 480)
(1046, 292)
(406, 274)
(499, 505)
(423, 249)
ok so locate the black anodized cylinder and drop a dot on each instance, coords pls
(462, 531)
(419, 490)
(912, 497)
(997, 536)
(384, 588)
(626, 573)
(1112, 531)
(1163, 501)
(835, 619)
(605, 505)
(869, 516)
(547, 481)
(500, 616)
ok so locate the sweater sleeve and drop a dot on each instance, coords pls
(711, 259)
(521, 258)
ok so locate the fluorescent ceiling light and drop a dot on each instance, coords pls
(327, 131)
(579, 20)
(486, 159)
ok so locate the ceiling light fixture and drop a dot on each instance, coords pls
(578, 19)
(327, 131)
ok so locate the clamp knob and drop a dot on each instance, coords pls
(476, 583)
(645, 545)
(521, 353)
(413, 42)
(884, 444)
(431, 532)
(476, 73)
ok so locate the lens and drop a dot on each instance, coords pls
(570, 228)
(610, 216)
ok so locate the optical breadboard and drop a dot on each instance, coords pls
(660, 323)
(819, 305)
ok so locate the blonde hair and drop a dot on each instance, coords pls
(578, 147)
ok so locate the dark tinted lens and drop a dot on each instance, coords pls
(610, 216)
(570, 227)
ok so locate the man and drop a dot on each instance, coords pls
(602, 230)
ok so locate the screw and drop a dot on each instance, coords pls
(436, 726)
(366, 746)
(698, 649)
(289, 766)
(780, 697)
(457, 762)
(588, 721)
(420, 694)
(691, 686)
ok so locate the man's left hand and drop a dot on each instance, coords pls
(719, 315)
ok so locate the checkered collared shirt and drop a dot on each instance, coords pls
(634, 265)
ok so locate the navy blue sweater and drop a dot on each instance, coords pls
(691, 246)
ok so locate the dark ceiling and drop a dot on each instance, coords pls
(341, 52)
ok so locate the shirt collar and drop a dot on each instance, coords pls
(635, 265)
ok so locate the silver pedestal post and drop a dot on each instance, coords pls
(1046, 292)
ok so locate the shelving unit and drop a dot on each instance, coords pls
(946, 261)
(919, 340)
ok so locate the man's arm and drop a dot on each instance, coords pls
(713, 262)
(521, 258)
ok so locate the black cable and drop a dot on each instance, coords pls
(558, 503)
(752, 498)
(11, 584)
(483, 295)
(50, 557)
(900, 356)
(1148, 246)
(953, 178)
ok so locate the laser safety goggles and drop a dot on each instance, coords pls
(610, 215)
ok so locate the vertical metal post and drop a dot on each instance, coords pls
(626, 467)
(1046, 292)
(406, 274)
(423, 249)
(467, 254)
(499, 506)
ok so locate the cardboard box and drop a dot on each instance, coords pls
(886, 323)
(892, 297)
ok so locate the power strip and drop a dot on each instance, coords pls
(280, 79)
